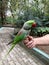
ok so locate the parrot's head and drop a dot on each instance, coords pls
(29, 24)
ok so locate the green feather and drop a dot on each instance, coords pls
(17, 39)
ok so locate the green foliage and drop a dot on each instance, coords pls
(10, 20)
(34, 12)
(23, 10)
(39, 31)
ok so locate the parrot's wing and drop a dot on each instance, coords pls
(17, 39)
(13, 36)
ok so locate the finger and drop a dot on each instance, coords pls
(31, 46)
(29, 43)
(26, 41)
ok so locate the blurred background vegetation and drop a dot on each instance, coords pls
(16, 12)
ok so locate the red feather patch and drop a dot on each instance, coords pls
(34, 25)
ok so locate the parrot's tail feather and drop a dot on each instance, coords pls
(12, 36)
(10, 49)
(10, 42)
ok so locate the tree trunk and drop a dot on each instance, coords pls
(2, 12)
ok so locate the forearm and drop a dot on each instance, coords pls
(42, 40)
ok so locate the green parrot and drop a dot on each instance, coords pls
(25, 30)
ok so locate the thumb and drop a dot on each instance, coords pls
(30, 38)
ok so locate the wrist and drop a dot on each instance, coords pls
(42, 40)
(39, 41)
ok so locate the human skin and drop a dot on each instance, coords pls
(31, 42)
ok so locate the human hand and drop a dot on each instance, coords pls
(29, 42)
